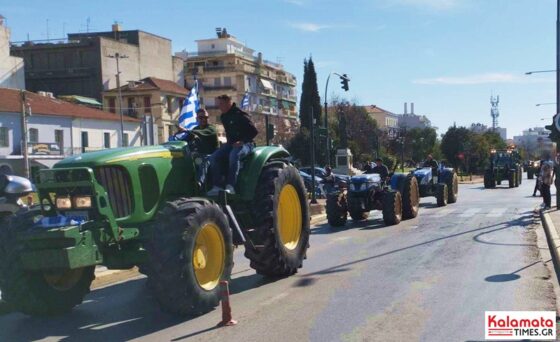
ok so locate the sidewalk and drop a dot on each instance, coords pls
(551, 223)
(475, 179)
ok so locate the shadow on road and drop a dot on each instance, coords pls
(116, 313)
(500, 278)
(345, 265)
(523, 221)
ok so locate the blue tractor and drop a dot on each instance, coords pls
(397, 197)
(441, 183)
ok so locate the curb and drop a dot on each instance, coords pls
(552, 238)
(317, 218)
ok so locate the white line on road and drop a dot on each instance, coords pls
(444, 212)
(497, 212)
(470, 212)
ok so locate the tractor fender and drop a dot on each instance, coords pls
(445, 175)
(397, 181)
(252, 166)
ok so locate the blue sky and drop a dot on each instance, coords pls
(446, 56)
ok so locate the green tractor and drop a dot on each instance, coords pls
(533, 167)
(504, 166)
(144, 206)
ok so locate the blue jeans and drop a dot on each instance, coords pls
(226, 151)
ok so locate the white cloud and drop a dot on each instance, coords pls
(432, 4)
(487, 78)
(309, 27)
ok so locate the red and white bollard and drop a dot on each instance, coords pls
(227, 320)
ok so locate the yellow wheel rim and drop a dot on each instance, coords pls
(63, 280)
(289, 217)
(209, 256)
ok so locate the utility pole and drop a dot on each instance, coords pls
(313, 197)
(345, 80)
(118, 56)
(268, 137)
(24, 135)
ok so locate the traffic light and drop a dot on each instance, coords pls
(344, 81)
(554, 132)
(270, 131)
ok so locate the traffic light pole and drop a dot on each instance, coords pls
(313, 197)
(327, 145)
(557, 181)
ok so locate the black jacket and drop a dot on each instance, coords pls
(382, 170)
(238, 125)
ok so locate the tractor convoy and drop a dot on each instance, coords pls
(148, 207)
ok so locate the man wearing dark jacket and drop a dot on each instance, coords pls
(380, 169)
(240, 132)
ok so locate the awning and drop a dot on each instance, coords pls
(267, 84)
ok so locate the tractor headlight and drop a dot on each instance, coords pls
(363, 186)
(63, 203)
(352, 187)
(82, 202)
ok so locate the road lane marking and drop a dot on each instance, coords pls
(444, 212)
(497, 212)
(470, 212)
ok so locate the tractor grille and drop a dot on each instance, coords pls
(116, 182)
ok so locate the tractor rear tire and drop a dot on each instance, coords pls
(191, 251)
(37, 293)
(392, 208)
(281, 216)
(489, 181)
(337, 209)
(530, 174)
(452, 188)
(442, 194)
(410, 198)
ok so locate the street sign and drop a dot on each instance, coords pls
(461, 155)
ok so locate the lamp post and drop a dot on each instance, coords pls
(545, 104)
(313, 197)
(118, 56)
(538, 71)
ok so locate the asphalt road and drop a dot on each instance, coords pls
(427, 279)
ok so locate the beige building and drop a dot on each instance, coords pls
(386, 120)
(11, 68)
(155, 101)
(82, 65)
(224, 65)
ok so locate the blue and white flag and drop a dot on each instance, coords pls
(187, 117)
(245, 101)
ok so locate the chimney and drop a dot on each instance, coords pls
(405, 107)
(116, 27)
(412, 108)
(131, 84)
(259, 58)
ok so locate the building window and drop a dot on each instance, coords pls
(125, 139)
(213, 46)
(227, 81)
(170, 130)
(4, 142)
(147, 105)
(33, 135)
(107, 140)
(59, 138)
(169, 104)
(111, 101)
(85, 141)
(217, 81)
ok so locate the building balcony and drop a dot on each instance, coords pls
(218, 88)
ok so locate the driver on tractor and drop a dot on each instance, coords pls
(240, 132)
(431, 162)
(380, 169)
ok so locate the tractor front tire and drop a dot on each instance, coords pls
(337, 209)
(442, 194)
(191, 251)
(452, 188)
(530, 174)
(512, 179)
(410, 197)
(37, 293)
(281, 216)
(359, 215)
(489, 181)
(392, 208)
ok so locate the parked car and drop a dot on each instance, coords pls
(321, 173)
(307, 180)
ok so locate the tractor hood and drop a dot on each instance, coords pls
(423, 172)
(367, 178)
(118, 155)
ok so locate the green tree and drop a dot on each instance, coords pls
(454, 142)
(309, 96)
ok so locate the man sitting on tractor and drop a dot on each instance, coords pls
(380, 169)
(240, 132)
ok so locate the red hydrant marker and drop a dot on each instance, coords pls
(227, 320)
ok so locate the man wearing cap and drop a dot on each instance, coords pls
(240, 132)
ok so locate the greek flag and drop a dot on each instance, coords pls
(245, 102)
(187, 117)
